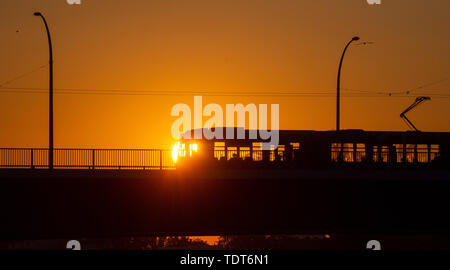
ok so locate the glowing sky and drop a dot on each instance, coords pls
(217, 46)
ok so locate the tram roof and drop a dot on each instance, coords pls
(344, 136)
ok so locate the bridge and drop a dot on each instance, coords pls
(138, 192)
(75, 204)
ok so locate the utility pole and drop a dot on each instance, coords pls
(338, 98)
(50, 144)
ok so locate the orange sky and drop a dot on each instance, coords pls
(217, 46)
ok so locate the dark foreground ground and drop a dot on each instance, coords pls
(71, 204)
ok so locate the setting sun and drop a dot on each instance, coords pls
(175, 150)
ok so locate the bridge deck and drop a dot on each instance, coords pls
(41, 204)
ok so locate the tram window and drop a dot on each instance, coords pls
(244, 152)
(381, 154)
(219, 145)
(257, 146)
(348, 152)
(360, 152)
(399, 151)
(280, 152)
(434, 152)
(335, 151)
(342, 152)
(410, 153)
(422, 153)
(295, 145)
(232, 152)
(272, 153)
(257, 151)
(219, 150)
(182, 150)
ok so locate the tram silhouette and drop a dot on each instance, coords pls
(318, 149)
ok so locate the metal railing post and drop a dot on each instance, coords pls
(93, 159)
(31, 159)
(416, 159)
(429, 153)
(404, 153)
(160, 160)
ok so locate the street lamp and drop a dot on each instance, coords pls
(338, 101)
(50, 147)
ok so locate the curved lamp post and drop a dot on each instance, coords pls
(338, 101)
(50, 147)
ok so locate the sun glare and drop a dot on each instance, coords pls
(175, 151)
(192, 148)
(179, 150)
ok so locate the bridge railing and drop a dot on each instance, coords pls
(32, 158)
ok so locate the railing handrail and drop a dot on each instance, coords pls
(101, 149)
